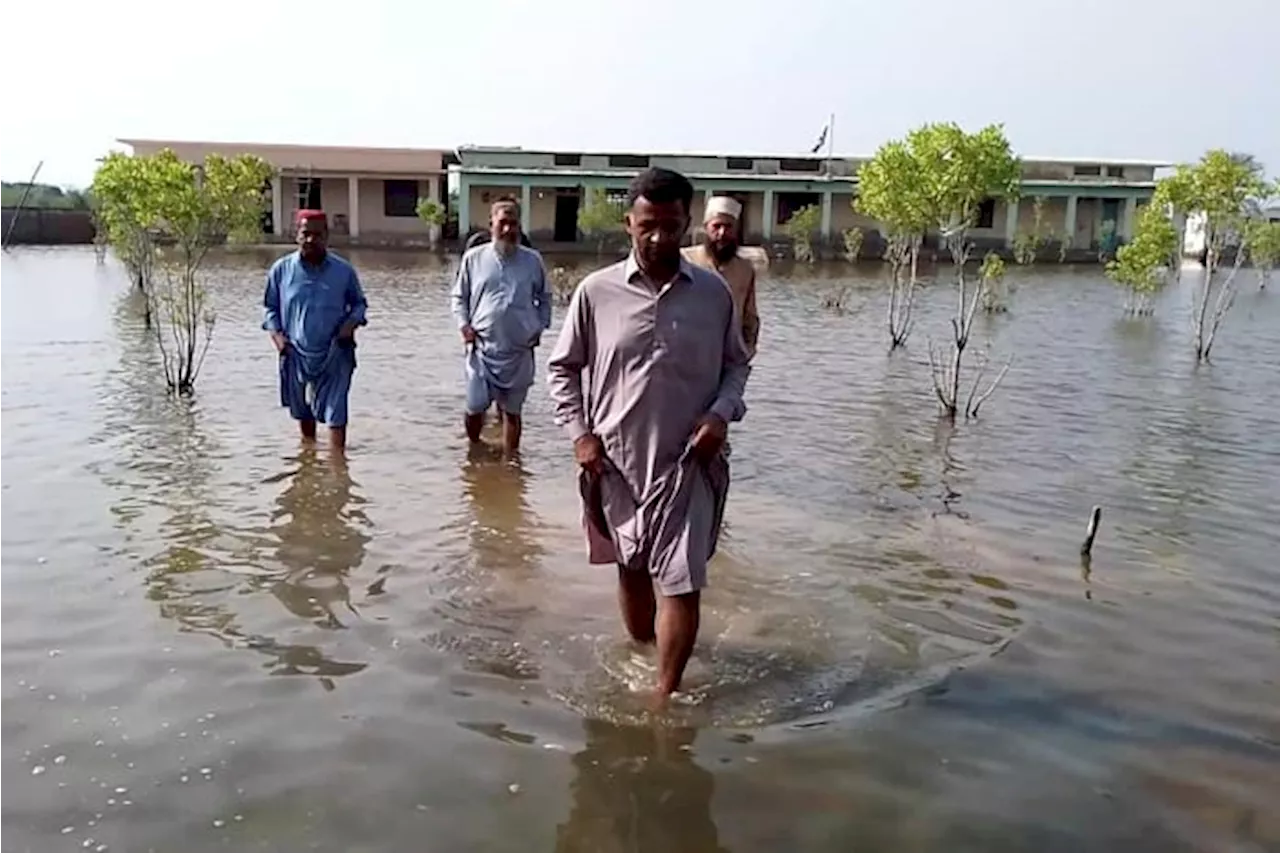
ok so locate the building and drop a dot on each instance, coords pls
(370, 194)
(1080, 196)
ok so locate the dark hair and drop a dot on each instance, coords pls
(661, 186)
(505, 201)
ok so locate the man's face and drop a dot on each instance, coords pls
(656, 231)
(504, 227)
(720, 235)
(313, 238)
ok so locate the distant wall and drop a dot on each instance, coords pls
(47, 227)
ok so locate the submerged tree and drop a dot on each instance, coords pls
(1264, 249)
(1142, 265)
(891, 190)
(959, 171)
(163, 215)
(1027, 245)
(1224, 189)
(431, 212)
(853, 239)
(600, 217)
(800, 229)
(992, 285)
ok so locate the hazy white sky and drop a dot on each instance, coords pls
(1106, 78)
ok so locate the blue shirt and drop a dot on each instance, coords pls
(309, 304)
(505, 300)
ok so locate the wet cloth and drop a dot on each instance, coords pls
(505, 300)
(671, 532)
(309, 304)
(639, 365)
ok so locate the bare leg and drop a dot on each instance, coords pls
(635, 597)
(308, 430)
(677, 630)
(474, 423)
(338, 439)
(511, 425)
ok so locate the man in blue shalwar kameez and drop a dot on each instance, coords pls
(312, 306)
(502, 306)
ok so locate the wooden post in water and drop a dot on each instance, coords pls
(1086, 549)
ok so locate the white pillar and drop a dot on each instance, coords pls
(1126, 220)
(826, 217)
(1010, 221)
(464, 207)
(526, 203)
(353, 205)
(1070, 223)
(766, 216)
(277, 205)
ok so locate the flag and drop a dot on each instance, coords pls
(822, 140)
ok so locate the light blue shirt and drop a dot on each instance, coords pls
(309, 304)
(505, 300)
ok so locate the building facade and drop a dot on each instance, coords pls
(370, 194)
(1085, 200)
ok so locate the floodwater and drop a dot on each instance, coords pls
(214, 639)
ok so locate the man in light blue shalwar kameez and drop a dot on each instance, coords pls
(502, 305)
(311, 308)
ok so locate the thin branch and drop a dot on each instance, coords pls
(1091, 531)
(982, 398)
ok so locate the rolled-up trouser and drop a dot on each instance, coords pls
(323, 397)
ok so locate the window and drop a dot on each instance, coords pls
(400, 198)
(309, 194)
(739, 164)
(986, 214)
(800, 164)
(568, 159)
(628, 161)
(1088, 171)
(1115, 172)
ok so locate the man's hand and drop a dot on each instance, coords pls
(468, 335)
(709, 435)
(347, 331)
(281, 342)
(589, 453)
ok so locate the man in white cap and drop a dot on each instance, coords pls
(719, 252)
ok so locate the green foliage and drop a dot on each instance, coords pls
(1263, 240)
(853, 238)
(44, 197)
(1027, 244)
(994, 294)
(800, 229)
(430, 211)
(161, 214)
(600, 216)
(1140, 265)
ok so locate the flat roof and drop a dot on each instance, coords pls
(516, 149)
(281, 146)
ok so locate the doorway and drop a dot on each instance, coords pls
(566, 224)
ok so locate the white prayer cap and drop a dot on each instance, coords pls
(722, 204)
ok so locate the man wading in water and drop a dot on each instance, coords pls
(660, 344)
(312, 306)
(719, 252)
(502, 306)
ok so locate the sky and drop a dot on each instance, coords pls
(1137, 79)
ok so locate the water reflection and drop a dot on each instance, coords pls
(503, 527)
(319, 527)
(638, 789)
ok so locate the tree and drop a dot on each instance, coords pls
(600, 217)
(1264, 249)
(1141, 265)
(891, 190)
(162, 215)
(853, 238)
(1224, 189)
(431, 212)
(1027, 245)
(800, 229)
(992, 286)
(958, 171)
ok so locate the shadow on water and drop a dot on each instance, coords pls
(638, 789)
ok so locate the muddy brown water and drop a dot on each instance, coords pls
(214, 639)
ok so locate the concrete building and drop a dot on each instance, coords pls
(370, 194)
(1081, 195)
